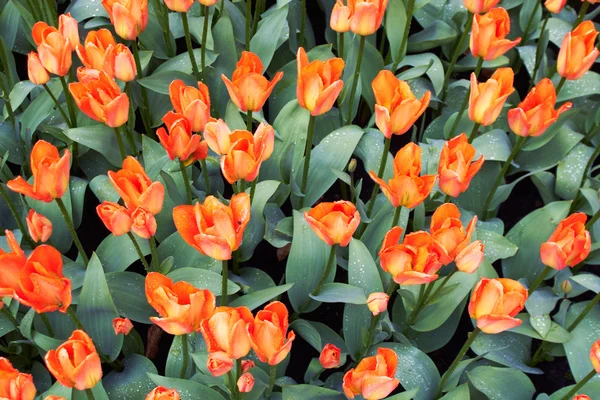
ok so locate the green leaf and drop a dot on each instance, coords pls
(97, 137)
(582, 338)
(408, 395)
(96, 310)
(430, 61)
(133, 382)
(159, 81)
(308, 332)
(592, 389)
(493, 145)
(185, 256)
(436, 34)
(550, 154)
(458, 393)
(103, 189)
(175, 358)
(270, 28)
(503, 383)
(528, 234)
(496, 246)
(202, 279)
(369, 151)
(256, 299)
(395, 21)
(128, 292)
(302, 392)
(437, 338)
(588, 281)
(188, 390)
(587, 85)
(340, 293)
(117, 253)
(380, 225)
(506, 348)
(570, 171)
(556, 333)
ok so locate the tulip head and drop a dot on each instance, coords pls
(14, 384)
(39, 227)
(179, 5)
(193, 103)
(569, 245)
(595, 356)
(143, 223)
(129, 17)
(334, 223)
(366, 15)
(122, 326)
(448, 232)
(219, 363)
(125, 68)
(487, 99)
(179, 142)
(163, 393)
(377, 302)
(480, 6)
(470, 258)
(555, 6)
(578, 51)
(488, 36)
(247, 365)
(457, 165)
(54, 49)
(227, 331)
(581, 397)
(330, 356)
(69, 28)
(340, 17)
(268, 334)
(115, 217)
(35, 70)
(373, 377)
(246, 383)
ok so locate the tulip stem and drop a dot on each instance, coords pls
(458, 358)
(130, 119)
(71, 228)
(145, 106)
(120, 143)
(592, 221)
(579, 385)
(272, 376)
(589, 165)
(410, 9)
(474, 131)
(361, 50)
(70, 102)
(302, 23)
(203, 48)
(447, 199)
(221, 8)
(89, 394)
(307, 154)
(518, 146)
(58, 106)
(224, 274)
(423, 294)
(529, 22)
(258, 10)
(139, 251)
(340, 47)
(538, 281)
(188, 43)
(154, 253)
(186, 182)
(582, 11)
(53, 18)
(455, 54)
(465, 102)
(205, 175)
(396, 217)
(248, 23)
(47, 324)
(184, 354)
(538, 52)
(15, 214)
(76, 321)
(561, 83)
(253, 189)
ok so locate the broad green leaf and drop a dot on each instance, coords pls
(395, 21)
(589, 281)
(336, 292)
(185, 256)
(570, 171)
(587, 85)
(254, 300)
(436, 34)
(159, 81)
(551, 153)
(133, 382)
(592, 389)
(301, 392)
(308, 332)
(434, 71)
(493, 145)
(128, 292)
(502, 383)
(582, 338)
(458, 393)
(174, 365)
(203, 279)
(496, 246)
(188, 390)
(506, 348)
(117, 253)
(262, 43)
(97, 137)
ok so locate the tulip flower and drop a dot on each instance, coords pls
(129, 17)
(39, 227)
(53, 47)
(50, 173)
(363, 17)
(413, 262)
(75, 363)
(487, 99)
(98, 96)
(245, 383)
(569, 245)
(53, 397)
(143, 223)
(330, 356)
(488, 37)
(219, 363)
(377, 302)
(248, 88)
(217, 135)
(581, 397)
(334, 223)
(396, 107)
(212, 228)
(268, 334)
(179, 5)
(373, 377)
(340, 17)
(536, 112)
(69, 28)
(180, 305)
(226, 331)
(448, 233)
(136, 188)
(101, 52)
(122, 326)
(192, 103)
(495, 303)
(595, 356)
(15, 259)
(115, 217)
(15, 385)
(179, 142)
(578, 51)
(247, 365)
(480, 6)
(555, 6)
(457, 166)
(470, 258)
(319, 83)
(36, 72)
(406, 188)
(163, 393)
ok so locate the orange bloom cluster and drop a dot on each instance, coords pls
(101, 52)
(488, 37)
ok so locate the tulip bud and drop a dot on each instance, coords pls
(247, 365)
(555, 6)
(125, 68)
(115, 217)
(40, 227)
(245, 383)
(352, 165)
(569, 244)
(122, 326)
(15, 385)
(330, 356)
(566, 286)
(340, 17)
(219, 363)
(578, 51)
(595, 356)
(35, 70)
(581, 397)
(69, 28)
(53, 397)
(378, 302)
(163, 393)
(470, 258)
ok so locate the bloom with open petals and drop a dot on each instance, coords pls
(480, 6)
(363, 17)
(487, 99)
(178, 139)
(335, 222)
(219, 363)
(488, 36)
(578, 51)
(15, 385)
(569, 245)
(268, 333)
(115, 217)
(373, 377)
(448, 232)
(226, 331)
(457, 165)
(143, 223)
(101, 52)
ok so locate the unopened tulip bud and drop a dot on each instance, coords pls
(245, 383)
(566, 286)
(377, 302)
(35, 70)
(247, 365)
(40, 227)
(122, 326)
(219, 363)
(352, 165)
(330, 356)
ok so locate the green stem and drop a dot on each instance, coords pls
(58, 106)
(164, 14)
(224, 274)
(272, 376)
(139, 251)
(154, 253)
(186, 182)
(238, 373)
(410, 9)
(236, 263)
(188, 43)
(396, 218)
(73, 316)
(302, 23)
(33, 10)
(582, 11)
(529, 22)
(465, 101)
(89, 394)
(340, 37)
(10, 317)
(581, 382)
(145, 106)
(130, 119)
(47, 324)
(120, 143)
(439, 288)
(361, 50)
(538, 52)
(458, 358)
(205, 175)
(592, 221)
(474, 131)
(307, 153)
(249, 121)
(585, 311)
(185, 355)
(221, 8)
(71, 228)
(589, 165)
(538, 281)
(203, 48)
(423, 292)
(258, 10)
(70, 102)
(50, 4)
(15, 214)
(447, 199)
(253, 188)
(561, 82)
(248, 23)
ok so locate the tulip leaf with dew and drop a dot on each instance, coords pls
(38, 110)
(502, 382)
(506, 348)
(127, 291)
(588, 281)
(497, 247)
(591, 389)
(306, 330)
(378, 227)
(96, 310)
(293, 392)
(204, 279)
(185, 256)
(253, 279)
(587, 85)
(493, 145)
(100, 138)
(436, 34)
(503, 192)
(133, 381)
(188, 389)
(175, 358)
(437, 338)
(266, 40)
(395, 21)
(97, 391)
(159, 81)
(481, 184)
(556, 333)
(582, 338)
(117, 253)
(551, 153)
(369, 151)
(570, 170)
(408, 395)
(336, 292)
(541, 302)
(253, 300)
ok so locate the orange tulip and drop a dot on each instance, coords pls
(396, 108)
(470, 258)
(208, 3)
(536, 113)
(334, 223)
(179, 5)
(448, 233)
(330, 356)
(115, 217)
(122, 326)
(35, 70)
(246, 383)
(377, 302)
(143, 223)
(181, 306)
(192, 103)
(217, 135)
(69, 28)
(319, 83)
(54, 48)
(15, 385)
(13, 261)
(136, 188)
(50, 173)
(495, 302)
(569, 245)
(179, 142)
(53, 397)
(340, 17)
(268, 334)
(456, 167)
(595, 356)
(219, 363)
(212, 228)
(101, 52)
(129, 17)
(414, 262)
(163, 393)
(39, 227)
(373, 377)
(248, 88)
(247, 152)
(486, 99)
(581, 397)
(488, 37)
(98, 96)
(480, 6)
(406, 188)
(363, 17)
(247, 365)
(75, 363)
(578, 51)
(226, 331)
(555, 6)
